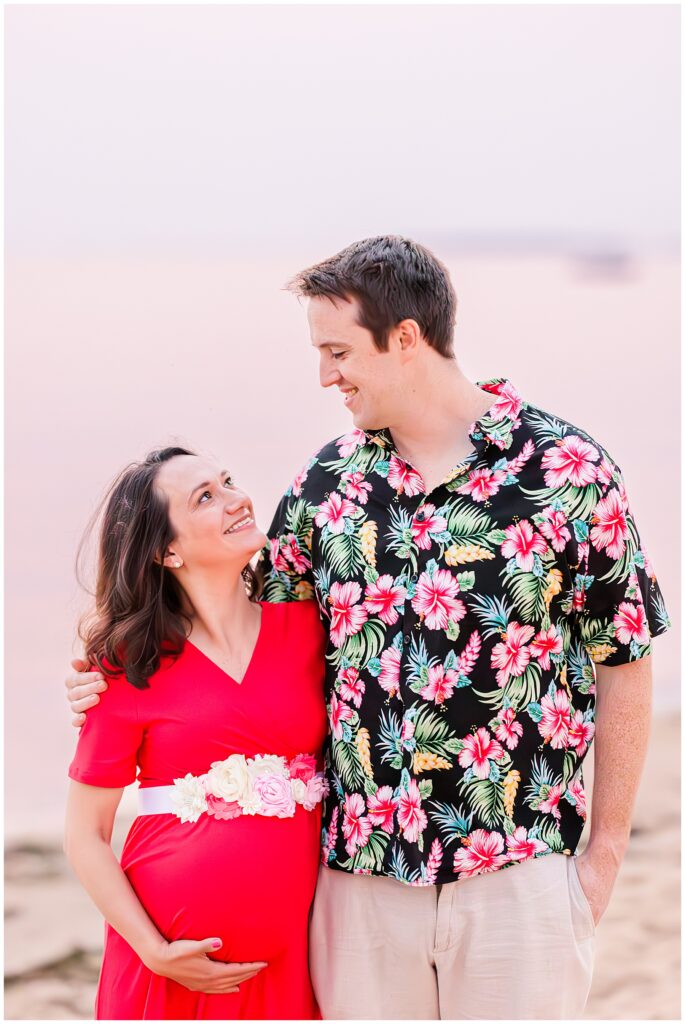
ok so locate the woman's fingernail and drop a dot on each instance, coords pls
(216, 944)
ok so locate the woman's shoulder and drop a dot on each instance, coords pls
(119, 682)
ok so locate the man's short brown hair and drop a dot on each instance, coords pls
(392, 279)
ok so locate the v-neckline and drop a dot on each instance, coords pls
(255, 650)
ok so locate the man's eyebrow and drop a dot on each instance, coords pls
(329, 344)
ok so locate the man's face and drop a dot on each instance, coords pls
(350, 361)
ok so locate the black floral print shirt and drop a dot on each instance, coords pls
(463, 626)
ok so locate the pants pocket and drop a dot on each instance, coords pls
(583, 921)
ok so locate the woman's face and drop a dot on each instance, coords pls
(212, 519)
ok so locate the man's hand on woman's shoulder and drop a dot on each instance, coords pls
(83, 689)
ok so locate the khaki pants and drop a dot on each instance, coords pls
(515, 944)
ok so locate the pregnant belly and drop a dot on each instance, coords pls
(248, 881)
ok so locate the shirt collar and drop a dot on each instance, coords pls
(496, 427)
(498, 424)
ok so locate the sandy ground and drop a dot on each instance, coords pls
(53, 935)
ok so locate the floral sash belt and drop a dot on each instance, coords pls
(265, 784)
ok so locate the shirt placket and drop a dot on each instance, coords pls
(411, 628)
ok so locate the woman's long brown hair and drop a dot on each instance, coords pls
(140, 609)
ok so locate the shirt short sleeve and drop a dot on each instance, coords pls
(286, 561)
(619, 606)
(107, 750)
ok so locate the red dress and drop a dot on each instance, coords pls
(249, 880)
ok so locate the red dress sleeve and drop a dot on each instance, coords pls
(108, 744)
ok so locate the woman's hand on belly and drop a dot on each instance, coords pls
(186, 962)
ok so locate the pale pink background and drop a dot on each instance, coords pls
(109, 358)
(169, 167)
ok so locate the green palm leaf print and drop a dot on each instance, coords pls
(299, 518)
(346, 760)
(361, 648)
(469, 525)
(370, 857)
(544, 427)
(453, 823)
(343, 554)
(361, 460)
(390, 742)
(527, 592)
(486, 799)
(578, 502)
(431, 732)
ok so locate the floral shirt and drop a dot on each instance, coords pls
(462, 630)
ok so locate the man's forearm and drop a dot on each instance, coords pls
(623, 716)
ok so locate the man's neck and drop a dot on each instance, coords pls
(434, 435)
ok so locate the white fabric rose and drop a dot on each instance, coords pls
(230, 779)
(267, 764)
(188, 798)
(299, 789)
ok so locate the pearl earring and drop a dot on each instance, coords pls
(178, 564)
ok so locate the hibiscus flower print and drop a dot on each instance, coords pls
(385, 598)
(389, 677)
(440, 685)
(351, 686)
(576, 791)
(630, 624)
(350, 442)
(347, 615)
(523, 543)
(553, 527)
(511, 657)
(382, 806)
(546, 642)
(404, 479)
(508, 730)
(556, 719)
(580, 733)
(333, 511)
(572, 460)
(520, 847)
(610, 525)
(356, 487)
(480, 854)
(424, 524)
(483, 483)
(436, 599)
(338, 713)
(550, 803)
(356, 826)
(479, 751)
(410, 816)
(508, 403)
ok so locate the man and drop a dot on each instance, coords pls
(489, 610)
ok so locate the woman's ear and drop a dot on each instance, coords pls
(171, 560)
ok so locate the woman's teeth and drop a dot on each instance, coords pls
(245, 521)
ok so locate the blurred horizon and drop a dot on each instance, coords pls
(219, 130)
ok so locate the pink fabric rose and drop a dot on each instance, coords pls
(302, 767)
(224, 809)
(315, 792)
(276, 796)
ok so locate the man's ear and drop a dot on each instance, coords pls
(408, 336)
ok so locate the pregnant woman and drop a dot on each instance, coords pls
(216, 702)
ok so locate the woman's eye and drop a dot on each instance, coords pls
(207, 493)
(228, 482)
(337, 355)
